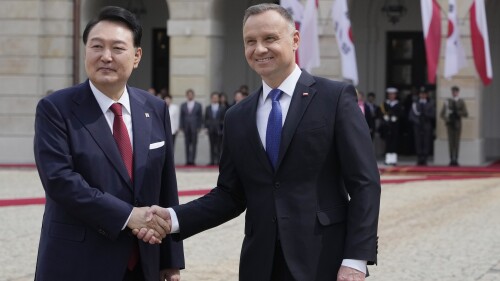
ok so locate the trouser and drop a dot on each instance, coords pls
(134, 275)
(423, 136)
(454, 141)
(190, 141)
(215, 147)
(280, 272)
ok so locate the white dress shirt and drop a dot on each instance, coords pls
(173, 110)
(190, 105)
(104, 103)
(263, 109)
(265, 104)
(215, 109)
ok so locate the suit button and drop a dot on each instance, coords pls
(276, 185)
(274, 219)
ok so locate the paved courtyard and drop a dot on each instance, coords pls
(429, 230)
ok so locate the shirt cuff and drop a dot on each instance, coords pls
(175, 221)
(356, 264)
(128, 219)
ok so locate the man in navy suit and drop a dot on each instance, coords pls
(311, 209)
(191, 120)
(103, 150)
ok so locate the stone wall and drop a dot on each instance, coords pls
(35, 56)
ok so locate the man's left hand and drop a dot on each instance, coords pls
(171, 274)
(350, 274)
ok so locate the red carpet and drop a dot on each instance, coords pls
(429, 173)
(201, 192)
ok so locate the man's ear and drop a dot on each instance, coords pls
(137, 56)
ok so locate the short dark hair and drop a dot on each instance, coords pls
(116, 14)
(455, 89)
(371, 94)
(261, 8)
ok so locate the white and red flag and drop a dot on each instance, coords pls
(480, 41)
(296, 9)
(343, 34)
(431, 22)
(309, 38)
(454, 55)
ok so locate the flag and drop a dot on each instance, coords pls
(343, 34)
(309, 39)
(296, 9)
(480, 41)
(455, 54)
(431, 22)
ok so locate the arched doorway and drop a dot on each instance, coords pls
(389, 55)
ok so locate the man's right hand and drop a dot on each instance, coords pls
(155, 226)
(148, 235)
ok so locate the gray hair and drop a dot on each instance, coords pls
(261, 8)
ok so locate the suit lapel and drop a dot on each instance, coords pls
(87, 110)
(298, 105)
(141, 126)
(249, 113)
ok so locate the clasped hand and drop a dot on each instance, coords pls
(151, 224)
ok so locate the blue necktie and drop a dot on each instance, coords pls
(273, 132)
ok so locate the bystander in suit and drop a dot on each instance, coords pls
(423, 115)
(214, 118)
(190, 124)
(373, 113)
(173, 110)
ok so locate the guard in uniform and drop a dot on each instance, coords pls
(454, 109)
(391, 112)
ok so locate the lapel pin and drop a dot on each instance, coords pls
(147, 115)
(305, 94)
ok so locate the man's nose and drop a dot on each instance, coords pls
(106, 55)
(260, 48)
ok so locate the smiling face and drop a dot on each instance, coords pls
(270, 44)
(110, 57)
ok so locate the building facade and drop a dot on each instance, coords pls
(198, 44)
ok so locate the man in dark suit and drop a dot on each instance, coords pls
(297, 155)
(190, 124)
(214, 118)
(372, 113)
(422, 115)
(103, 150)
(454, 109)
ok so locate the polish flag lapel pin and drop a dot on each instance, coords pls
(305, 94)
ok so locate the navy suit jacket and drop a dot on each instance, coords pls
(322, 200)
(89, 193)
(193, 120)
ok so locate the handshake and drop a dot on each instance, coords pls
(151, 224)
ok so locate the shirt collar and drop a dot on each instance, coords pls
(105, 102)
(287, 86)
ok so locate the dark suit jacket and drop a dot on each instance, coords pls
(370, 116)
(89, 193)
(214, 123)
(192, 120)
(325, 156)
